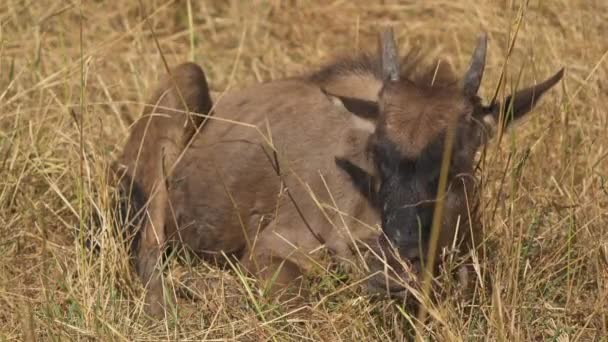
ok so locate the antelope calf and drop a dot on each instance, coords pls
(284, 169)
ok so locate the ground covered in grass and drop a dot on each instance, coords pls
(73, 77)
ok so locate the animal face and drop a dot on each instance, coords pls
(413, 124)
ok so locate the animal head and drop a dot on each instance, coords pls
(411, 123)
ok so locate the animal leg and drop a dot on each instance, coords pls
(179, 105)
(280, 278)
(152, 243)
(156, 140)
(277, 264)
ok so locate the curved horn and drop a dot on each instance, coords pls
(472, 78)
(388, 54)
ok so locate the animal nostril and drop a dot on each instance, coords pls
(411, 254)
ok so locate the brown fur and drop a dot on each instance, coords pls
(153, 147)
(267, 190)
(416, 117)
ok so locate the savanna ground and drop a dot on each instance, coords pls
(72, 74)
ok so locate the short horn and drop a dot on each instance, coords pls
(473, 76)
(389, 55)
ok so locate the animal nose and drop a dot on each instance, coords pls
(408, 249)
(410, 252)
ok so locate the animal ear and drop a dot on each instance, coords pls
(521, 102)
(389, 55)
(362, 180)
(364, 109)
(472, 78)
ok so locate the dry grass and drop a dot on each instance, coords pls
(70, 74)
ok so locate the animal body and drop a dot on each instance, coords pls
(344, 160)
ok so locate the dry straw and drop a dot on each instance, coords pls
(71, 72)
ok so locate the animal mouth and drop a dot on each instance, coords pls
(385, 287)
(395, 280)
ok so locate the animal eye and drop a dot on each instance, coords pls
(384, 167)
(384, 159)
(434, 181)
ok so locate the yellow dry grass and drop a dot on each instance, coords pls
(72, 73)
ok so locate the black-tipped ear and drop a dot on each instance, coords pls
(523, 101)
(365, 109)
(362, 180)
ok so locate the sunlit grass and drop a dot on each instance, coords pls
(66, 101)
